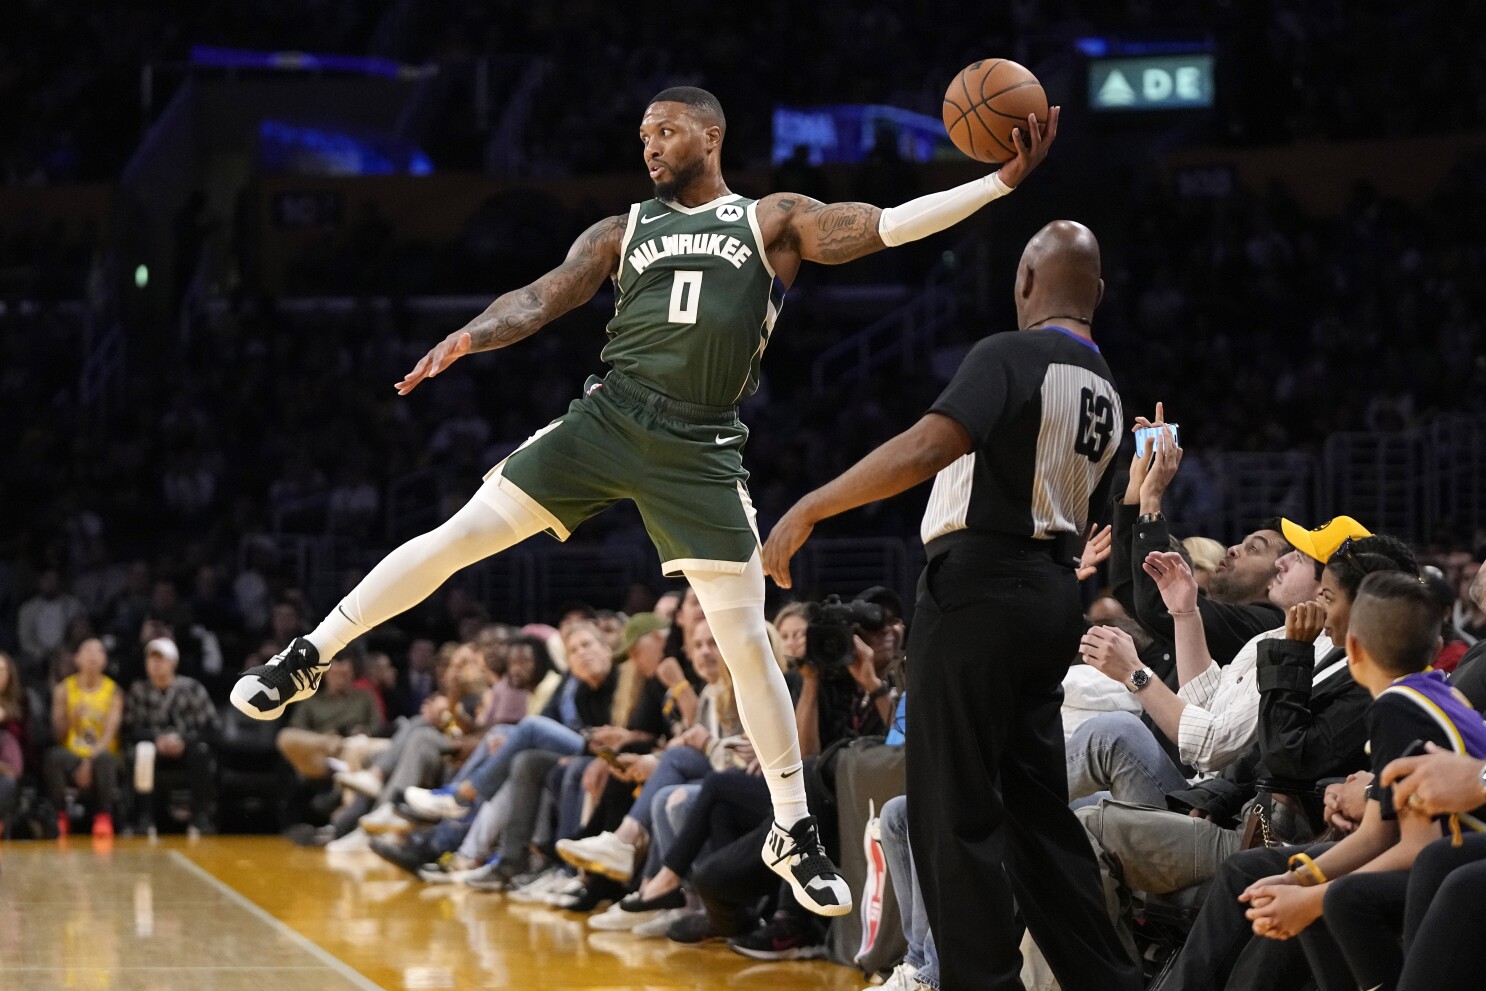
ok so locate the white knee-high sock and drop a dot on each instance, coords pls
(488, 524)
(734, 607)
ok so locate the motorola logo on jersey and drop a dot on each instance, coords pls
(729, 211)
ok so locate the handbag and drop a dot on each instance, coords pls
(1261, 829)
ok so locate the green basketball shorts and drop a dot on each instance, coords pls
(682, 464)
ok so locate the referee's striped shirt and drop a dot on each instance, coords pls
(1045, 419)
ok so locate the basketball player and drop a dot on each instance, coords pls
(698, 274)
(1021, 441)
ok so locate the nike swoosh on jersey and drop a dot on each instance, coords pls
(647, 220)
(724, 440)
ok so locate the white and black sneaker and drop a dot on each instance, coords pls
(797, 856)
(292, 675)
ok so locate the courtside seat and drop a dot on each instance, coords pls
(250, 774)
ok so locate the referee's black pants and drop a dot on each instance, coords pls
(996, 626)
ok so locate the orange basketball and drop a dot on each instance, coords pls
(985, 101)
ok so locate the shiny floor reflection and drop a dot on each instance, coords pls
(259, 914)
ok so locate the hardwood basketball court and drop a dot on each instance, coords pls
(205, 915)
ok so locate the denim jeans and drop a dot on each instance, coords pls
(488, 826)
(921, 953)
(666, 821)
(570, 797)
(481, 754)
(532, 733)
(1117, 753)
(678, 766)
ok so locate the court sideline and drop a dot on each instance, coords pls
(205, 916)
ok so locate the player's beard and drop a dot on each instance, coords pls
(1228, 586)
(680, 179)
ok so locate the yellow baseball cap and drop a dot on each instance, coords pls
(1323, 541)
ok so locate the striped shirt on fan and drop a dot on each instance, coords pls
(1221, 719)
(1045, 418)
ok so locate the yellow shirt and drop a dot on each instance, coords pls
(87, 713)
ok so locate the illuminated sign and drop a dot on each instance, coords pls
(848, 132)
(301, 149)
(1168, 82)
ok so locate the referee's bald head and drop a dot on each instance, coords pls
(1059, 275)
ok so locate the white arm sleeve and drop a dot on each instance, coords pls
(937, 211)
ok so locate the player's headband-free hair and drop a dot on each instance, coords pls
(697, 99)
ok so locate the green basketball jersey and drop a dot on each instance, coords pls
(695, 300)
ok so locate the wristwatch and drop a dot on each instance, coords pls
(1144, 518)
(1139, 679)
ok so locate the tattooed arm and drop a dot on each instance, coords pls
(805, 229)
(522, 312)
(797, 228)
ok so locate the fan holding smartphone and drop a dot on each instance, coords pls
(1158, 455)
(1236, 606)
(1146, 438)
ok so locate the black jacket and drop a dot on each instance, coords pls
(1228, 627)
(1307, 733)
(595, 705)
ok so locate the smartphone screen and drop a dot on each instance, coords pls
(1149, 433)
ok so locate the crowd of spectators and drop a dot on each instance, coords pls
(600, 761)
(599, 765)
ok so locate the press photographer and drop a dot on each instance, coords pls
(850, 669)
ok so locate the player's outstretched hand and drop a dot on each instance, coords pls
(1031, 146)
(444, 354)
(787, 537)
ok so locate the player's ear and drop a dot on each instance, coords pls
(714, 137)
(1099, 294)
(1028, 276)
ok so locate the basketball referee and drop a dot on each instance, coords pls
(1021, 442)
